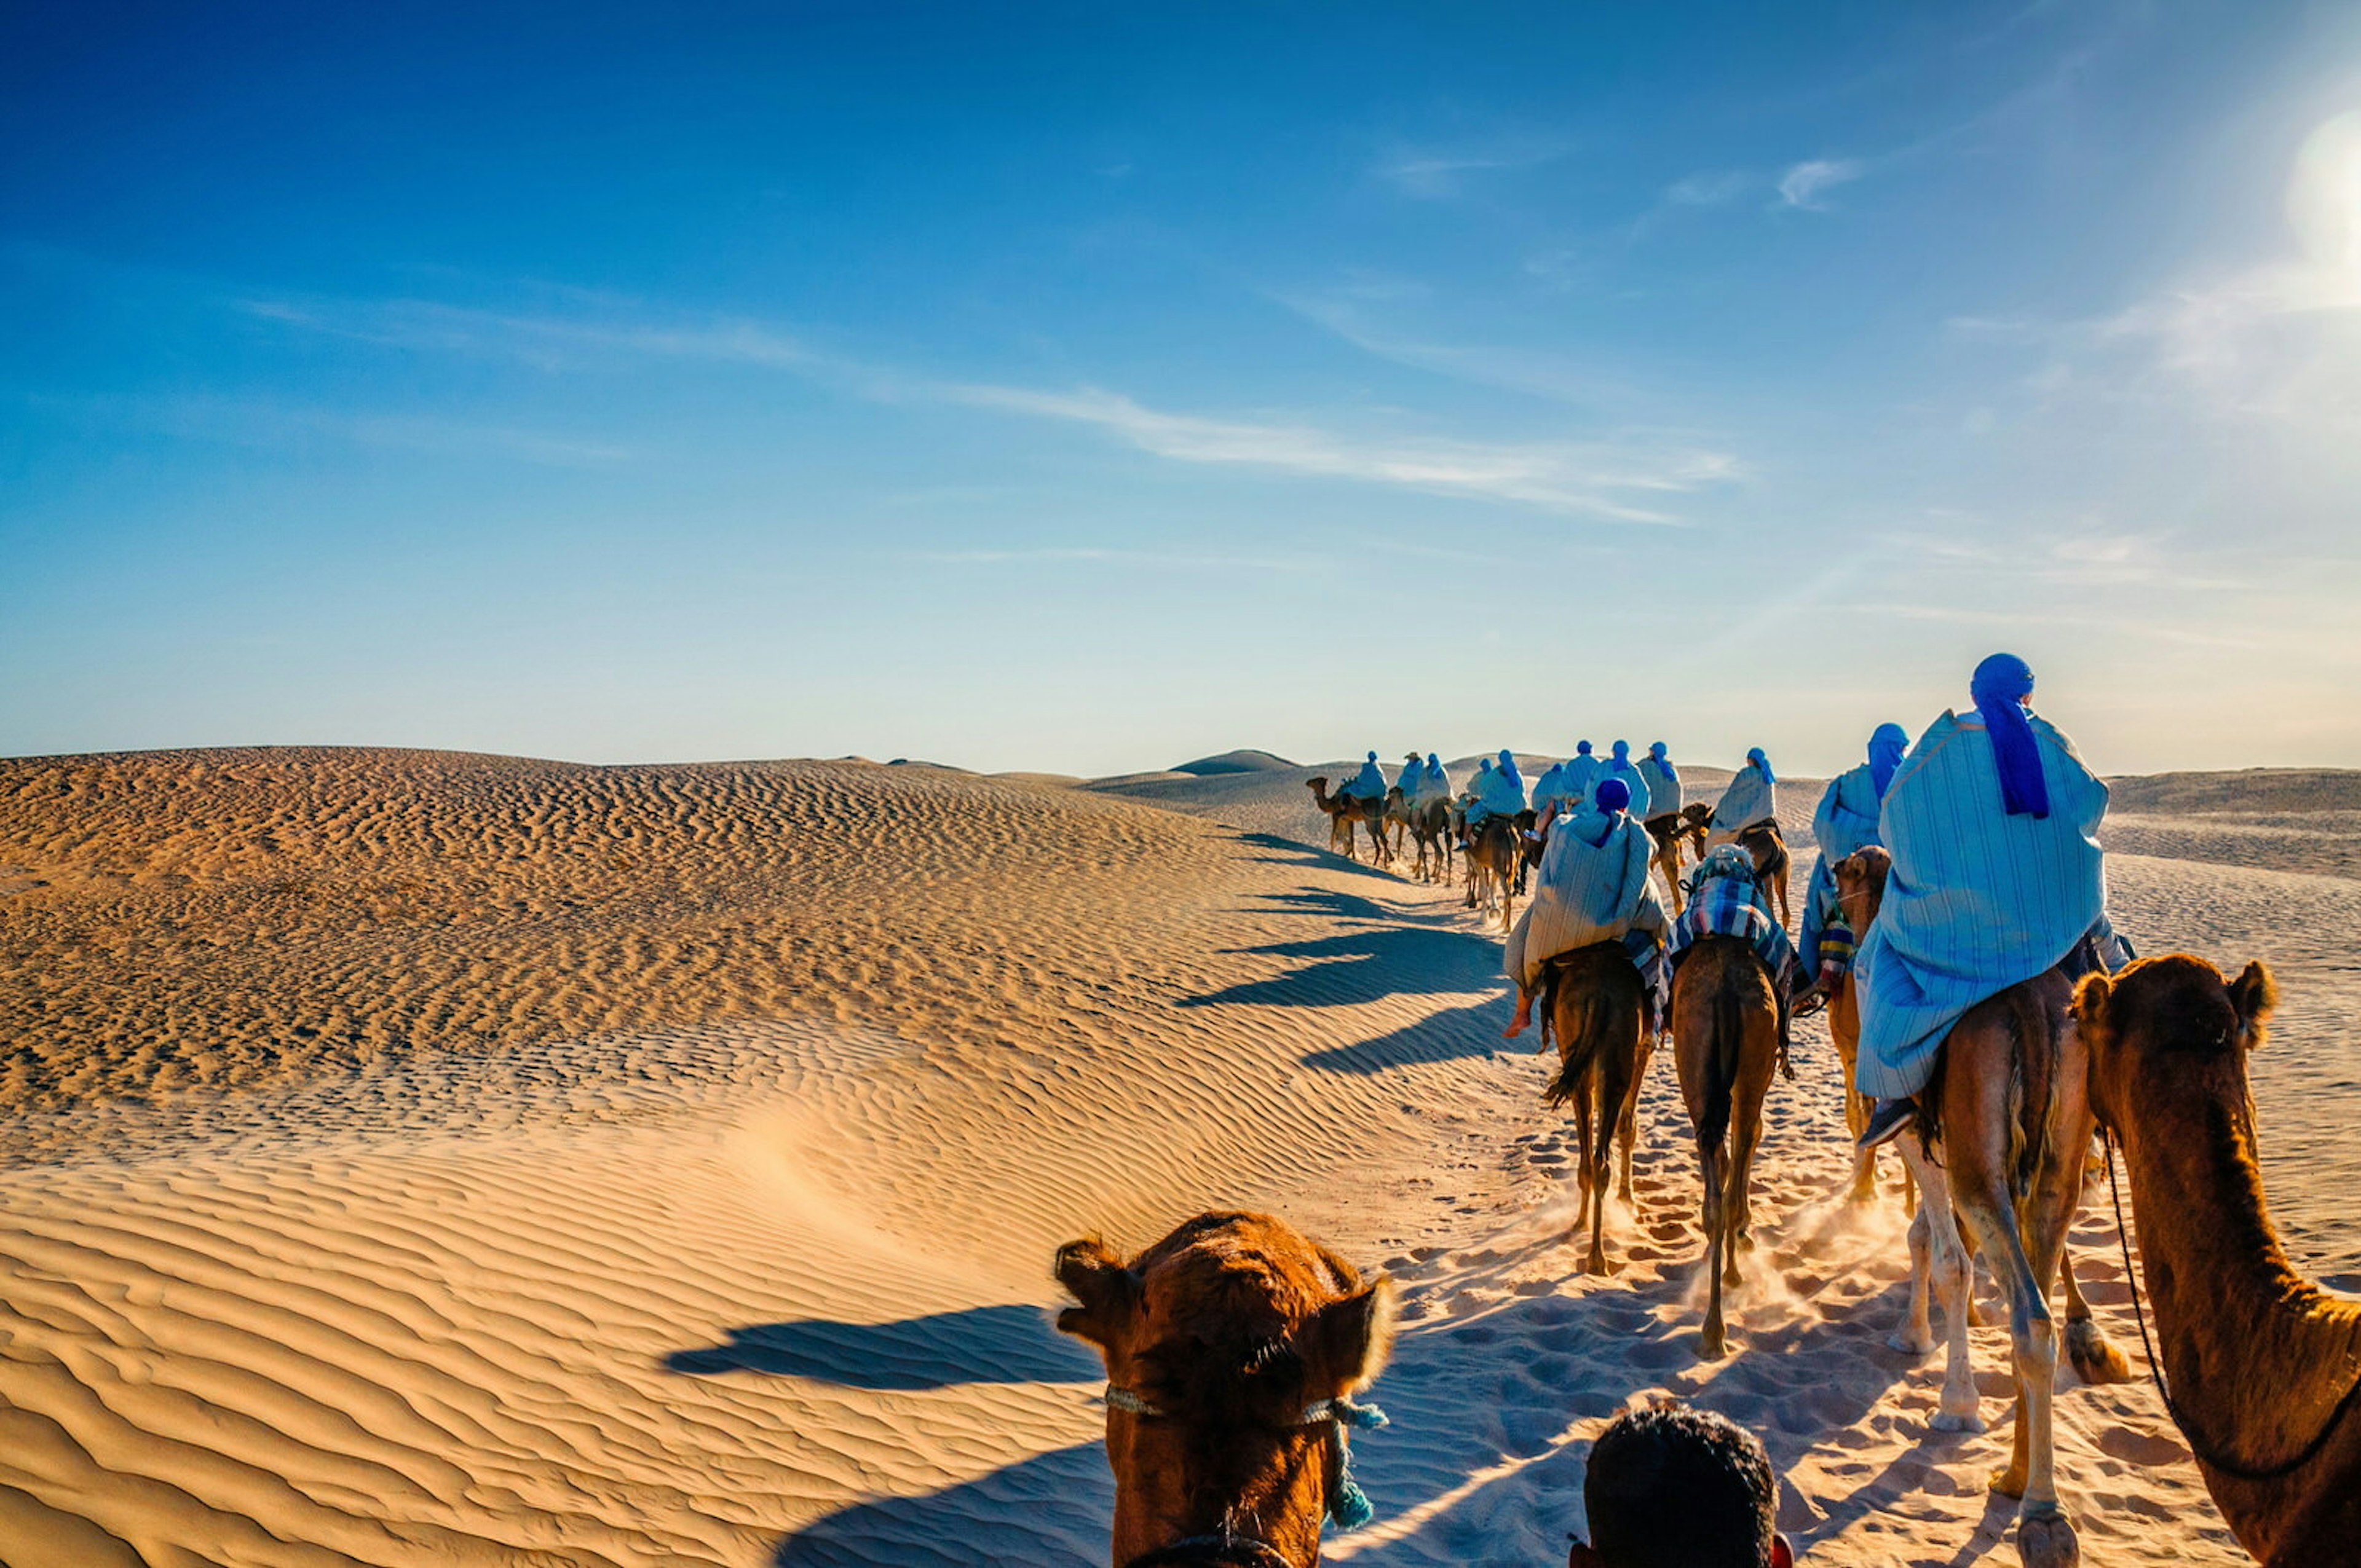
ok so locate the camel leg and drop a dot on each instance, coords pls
(1582, 1156)
(2095, 1358)
(1745, 1132)
(1712, 1343)
(1598, 1155)
(1947, 1268)
(1627, 1131)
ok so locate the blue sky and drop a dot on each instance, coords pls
(1086, 388)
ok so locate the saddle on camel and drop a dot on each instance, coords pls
(1233, 1351)
(1589, 949)
(1748, 815)
(2258, 1366)
(1995, 896)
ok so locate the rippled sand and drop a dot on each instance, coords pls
(419, 1157)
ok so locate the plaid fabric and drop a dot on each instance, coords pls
(1733, 906)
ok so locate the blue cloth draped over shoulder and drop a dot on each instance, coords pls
(1846, 820)
(1582, 774)
(1749, 799)
(1550, 787)
(1663, 784)
(1499, 793)
(1369, 784)
(1619, 767)
(1593, 885)
(1978, 899)
(1436, 782)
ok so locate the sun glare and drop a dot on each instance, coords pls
(2325, 193)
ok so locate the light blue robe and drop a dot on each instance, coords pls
(1977, 901)
(1749, 799)
(1643, 801)
(1550, 787)
(1664, 788)
(1846, 821)
(1369, 784)
(1497, 795)
(1586, 892)
(1581, 776)
(1435, 784)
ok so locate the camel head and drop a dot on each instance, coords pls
(1861, 885)
(1233, 1347)
(2166, 1021)
(1318, 785)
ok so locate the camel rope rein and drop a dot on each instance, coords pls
(2203, 1449)
(1349, 1506)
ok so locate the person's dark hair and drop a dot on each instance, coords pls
(1679, 1487)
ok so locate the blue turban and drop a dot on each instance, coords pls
(1887, 744)
(1508, 766)
(1623, 751)
(1583, 747)
(1434, 762)
(1614, 795)
(1755, 756)
(1373, 756)
(2000, 683)
(1657, 750)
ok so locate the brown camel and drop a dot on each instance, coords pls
(1669, 831)
(1861, 887)
(1232, 1349)
(1345, 813)
(1725, 1046)
(1590, 1000)
(2263, 1364)
(1430, 827)
(2008, 1109)
(1763, 841)
(1861, 890)
(1491, 861)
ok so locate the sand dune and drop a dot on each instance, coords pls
(422, 1157)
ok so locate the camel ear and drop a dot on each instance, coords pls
(1109, 1292)
(1354, 1336)
(2090, 1000)
(2254, 994)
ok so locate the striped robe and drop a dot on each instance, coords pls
(1748, 800)
(1977, 901)
(1642, 804)
(1585, 892)
(1846, 820)
(1664, 788)
(1581, 778)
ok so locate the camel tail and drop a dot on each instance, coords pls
(1577, 1050)
(1721, 1069)
(2032, 1093)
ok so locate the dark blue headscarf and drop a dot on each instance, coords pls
(1665, 762)
(1623, 751)
(1887, 744)
(1582, 748)
(1508, 766)
(2000, 681)
(1614, 795)
(1756, 757)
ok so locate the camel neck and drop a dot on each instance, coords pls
(2242, 1335)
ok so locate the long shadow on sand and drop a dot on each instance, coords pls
(1461, 1034)
(1302, 854)
(1369, 966)
(1010, 1344)
(1053, 1510)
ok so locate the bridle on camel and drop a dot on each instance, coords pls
(2205, 1450)
(1347, 1504)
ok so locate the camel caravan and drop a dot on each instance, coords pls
(1994, 1030)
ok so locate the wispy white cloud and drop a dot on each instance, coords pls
(1105, 557)
(1802, 184)
(1432, 175)
(1596, 478)
(1712, 188)
(1568, 477)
